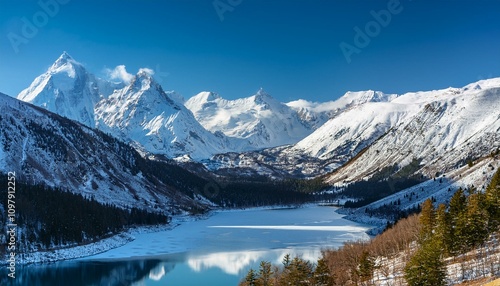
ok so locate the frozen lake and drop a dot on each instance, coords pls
(218, 250)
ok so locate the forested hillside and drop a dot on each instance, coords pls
(50, 218)
(443, 245)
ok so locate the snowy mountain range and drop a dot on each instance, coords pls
(139, 112)
(259, 119)
(145, 114)
(157, 122)
(382, 130)
(42, 147)
(368, 129)
(443, 129)
(67, 89)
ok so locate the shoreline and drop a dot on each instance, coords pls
(124, 237)
(377, 224)
(85, 250)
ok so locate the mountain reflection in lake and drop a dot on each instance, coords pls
(86, 273)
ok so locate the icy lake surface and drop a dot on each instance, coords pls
(218, 250)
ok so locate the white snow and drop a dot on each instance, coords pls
(81, 251)
(259, 119)
(352, 130)
(141, 112)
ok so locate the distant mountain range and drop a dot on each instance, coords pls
(349, 139)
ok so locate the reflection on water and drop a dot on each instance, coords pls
(230, 262)
(190, 268)
(85, 273)
(157, 273)
(237, 263)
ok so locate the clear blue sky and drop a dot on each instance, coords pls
(289, 47)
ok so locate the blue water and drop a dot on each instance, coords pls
(216, 251)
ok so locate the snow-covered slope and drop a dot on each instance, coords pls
(352, 130)
(67, 89)
(43, 147)
(315, 114)
(453, 123)
(259, 119)
(145, 114)
(449, 127)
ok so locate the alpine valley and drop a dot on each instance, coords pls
(134, 145)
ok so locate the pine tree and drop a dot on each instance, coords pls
(426, 268)
(476, 219)
(456, 212)
(286, 260)
(265, 274)
(492, 196)
(322, 275)
(366, 266)
(427, 220)
(251, 278)
(297, 272)
(442, 230)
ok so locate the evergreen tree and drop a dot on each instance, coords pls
(456, 212)
(265, 274)
(442, 230)
(297, 272)
(426, 268)
(251, 278)
(476, 218)
(427, 220)
(287, 260)
(322, 275)
(492, 196)
(366, 267)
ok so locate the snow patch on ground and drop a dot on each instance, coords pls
(475, 265)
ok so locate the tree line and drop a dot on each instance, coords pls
(385, 182)
(52, 217)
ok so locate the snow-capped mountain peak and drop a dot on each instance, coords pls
(64, 59)
(261, 96)
(67, 89)
(146, 115)
(143, 81)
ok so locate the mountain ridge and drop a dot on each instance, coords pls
(45, 148)
(299, 138)
(260, 119)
